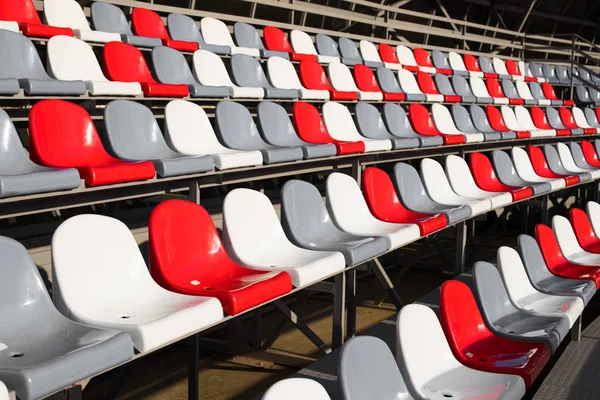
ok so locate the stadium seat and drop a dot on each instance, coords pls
(73, 142)
(566, 159)
(236, 129)
(209, 70)
(487, 179)
(423, 124)
(499, 95)
(275, 39)
(570, 248)
(591, 117)
(550, 73)
(525, 70)
(584, 232)
(445, 124)
(188, 131)
(464, 123)
(21, 66)
(526, 123)
(69, 14)
(42, 358)
(564, 117)
(576, 118)
(501, 70)
(538, 93)
(442, 82)
(482, 124)
(197, 265)
(463, 89)
(409, 85)
(525, 93)
(511, 92)
(351, 55)
(367, 369)
(366, 82)
(440, 61)
(133, 134)
(19, 175)
(369, 53)
(555, 162)
(496, 121)
(296, 389)
(398, 124)
(341, 79)
(170, 67)
(579, 157)
(512, 123)
(414, 197)
(216, 33)
(276, 129)
(551, 95)
(563, 75)
(506, 320)
(303, 44)
(526, 298)
(475, 346)
(71, 59)
(410, 62)
(384, 204)
(488, 69)
(428, 87)
(545, 281)
(313, 77)
(458, 65)
(341, 127)
(514, 70)
(390, 84)
(541, 122)
(247, 72)
(474, 69)
(183, 29)
(326, 46)
(542, 168)
(583, 96)
(594, 95)
(507, 174)
(311, 128)
(118, 287)
(425, 64)
(107, 17)
(479, 89)
(349, 212)
(246, 36)
(257, 240)
(590, 154)
(148, 23)
(282, 75)
(537, 72)
(307, 223)
(526, 171)
(25, 14)
(125, 63)
(388, 56)
(371, 125)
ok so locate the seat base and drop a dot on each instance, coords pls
(349, 147)
(339, 95)
(184, 165)
(37, 87)
(164, 90)
(237, 159)
(431, 224)
(141, 41)
(96, 36)
(117, 173)
(521, 193)
(44, 31)
(180, 45)
(38, 182)
(281, 154)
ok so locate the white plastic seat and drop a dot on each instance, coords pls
(430, 369)
(101, 280)
(70, 59)
(565, 235)
(525, 122)
(440, 190)
(296, 389)
(445, 124)
(69, 14)
(215, 32)
(525, 297)
(282, 75)
(512, 123)
(500, 68)
(458, 64)
(480, 90)
(580, 119)
(341, 126)
(525, 170)
(525, 93)
(566, 158)
(406, 57)
(12, 26)
(188, 131)
(350, 212)
(462, 182)
(410, 86)
(303, 44)
(209, 70)
(369, 52)
(341, 79)
(526, 71)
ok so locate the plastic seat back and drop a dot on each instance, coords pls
(440, 60)
(499, 66)
(536, 91)
(461, 86)
(19, 57)
(124, 62)
(309, 124)
(109, 18)
(14, 160)
(539, 118)
(406, 56)
(171, 67)
(365, 79)
(148, 23)
(341, 77)
(442, 82)
(533, 259)
(388, 80)
(282, 73)
(326, 46)
(583, 95)
(408, 83)
(349, 50)
(426, 83)
(494, 88)
(509, 89)
(312, 76)
(513, 68)
(302, 42)
(567, 119)
(246, 71)
(421, 120)
(369, 121)
(471, 63)
(423, 58)
(548, 244)
(536, 70)
(369, 51)
(480, 119)
(183, 27)
(486, 65)
(73, 59)
(554, 118)
(388, 54)
(510, 120)
(549, 91)
(523, 90)
(456, 61)
(276, 126)
(291, 387)
(397, 121)
(65, 13)
(463, 119)
(524, 118)
(479, 88)
(247, 36)
(236, 127)
(209, 69)
(495, 119)
(591, 117)
(21, 11)
(276, 39)
(215, 31)
(410, 188)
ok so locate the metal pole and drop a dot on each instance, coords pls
(339, 310)
(195, 192)
(576, 330)
(193, 366)
(461, 246)
(572, 60)
(351, 327)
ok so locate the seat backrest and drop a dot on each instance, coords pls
(582, 94)
(275, 125)
(484, 174)
(536, 91)
(276, 39)
(396, 120)
(109, 18)
(58, 141)
(566, 116)
(440, 60)
(171, 67)
(494, 88)
(486, 65)
(456, 61)
(591, 117)
(442, 82)
(495, 119)
(491, 296)
(349, 49)
(554, 118)
(546, 240)
(246, 36)
(532, 258)
(565, 235)
(480, 119)
(302, 42)
(561, 72)
(524, 118)
(209, 69)
(513, 274)
(23, 11)
(388, 80)
(539, 118)
(594, 94)
(478, 87)
(510, 120)
(72, 59)
(246, 71)
(549, 91)
(341, 77)
(369, 51)
(579, 117)
(339, 122)
(215, 31)
(554, 160)
(288, 388)
(365, 79)
(405, 56)
(282, 73)
(409, 187)
(326, 46)
(421, 120)
(536, 70)
(426, 83)
(461, 86)
(471, 63)
(408, 83)
(523, 90)
(13, 158)
(309, 124)
(443, 119)
(312, 75)
(423, 58)
(387, 53)
(183, 27)
(513, 68)
(124, 62)
(540, 163)
(369, 121)
(19, 57)
(148, 23)
(509, 89)
(236, 128)
(65, 14)
(499, 66)
(463, 119)
(505, 168)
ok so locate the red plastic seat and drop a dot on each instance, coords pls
(584, 231)
(25, 14)
(497, 122)
(427, 86)
(473, 65)
(493, 86)
(147, 23)
(589, 152)
(568, 120)
(62, 135)
(422, 123)
(366, 81)
(551, 94)
(312, 76)
(385, 205)
(125, 63)
(388, 54)
(486, 178)
(475, 346)
(540, 120)
(541, 167)
(188, 257)
(311, 128)
(513, 69)
(277, 40)
(424, 60)
(556, 261)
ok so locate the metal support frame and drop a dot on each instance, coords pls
(576, 330)
(387, 283)
(194, 192)
(461, 248)
(193, 367)
(339, 310)
(351, 294)
(302, 327)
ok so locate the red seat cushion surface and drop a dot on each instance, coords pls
(426, 83)
(25, 14)
(589, 152)
(485, 177)
(388, 54)
(422, 57)
(422, 123)
(495, 118)
(276, 39)
(44, 31)
(586, 237)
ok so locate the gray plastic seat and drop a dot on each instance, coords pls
(594, 95)
(388, 82)
(578, 156)
(440, 61)
(133, 134)
(582, 95)
(538, 93)
(397, 123)
(463, 122)
(590, 116)
(170, 66)
(507, 174)
(556, 166)
(371, 125)
(563, 75)
(505, 320)
(442, 82)
(20, 65)
(487, 67)
(247, 72)
(42, 351)
(277, 130)
(510, 91)
(246, 36)
(550, 73)
(545, 281)
(182, 27)
(462, 88)
(555, 121)
(413, 195)
(368, 370)
(536, 71)
(307, 224)
(482, 124)
(351, 55)
(575, 72)
(326, 46)
(110, 18)
(236, 129)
